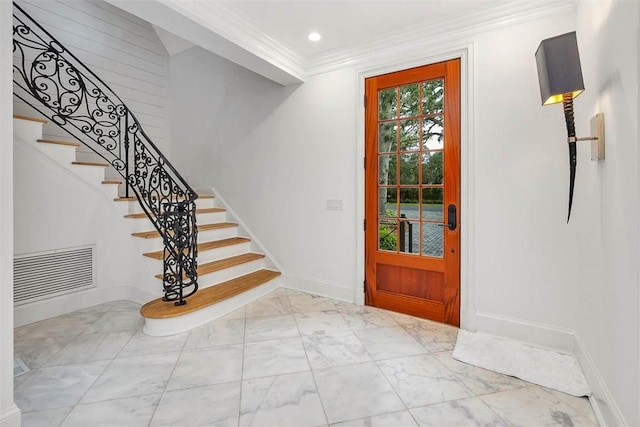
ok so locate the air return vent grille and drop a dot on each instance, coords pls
(49, 274)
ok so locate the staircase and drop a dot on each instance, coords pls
(159, 205)
(231, 270)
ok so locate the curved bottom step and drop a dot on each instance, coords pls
(165, 318)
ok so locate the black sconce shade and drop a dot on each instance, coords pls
(559, 70)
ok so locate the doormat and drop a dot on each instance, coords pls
(19, 367)
(539, 366)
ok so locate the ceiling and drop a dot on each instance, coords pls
(347, 23)
(269, 37)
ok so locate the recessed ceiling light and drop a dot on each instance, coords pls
(314, 37)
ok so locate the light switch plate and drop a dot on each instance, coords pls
(334, 204)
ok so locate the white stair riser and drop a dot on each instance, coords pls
(222, 233)
(214, 254)
(224, 252)
(91, 174)
(63, 154)
(212, 279)
(155, 243)
(27, 129)
(144, 224)
(210, 218)
(110, 190)
(134, 206)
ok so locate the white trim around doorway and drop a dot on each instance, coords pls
(467, 201)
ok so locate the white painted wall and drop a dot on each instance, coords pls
(121, 49)
(61, 206)
(277, 154)
(607, 316)
(9, 412)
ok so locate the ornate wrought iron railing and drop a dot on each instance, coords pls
(57, 84)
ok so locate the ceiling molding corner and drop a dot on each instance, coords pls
(453, 30)
(231, 26)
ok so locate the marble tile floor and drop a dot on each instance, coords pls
(289, 359)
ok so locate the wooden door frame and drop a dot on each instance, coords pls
(467, 205)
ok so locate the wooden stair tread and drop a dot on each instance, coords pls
(112, 181)
(158, 309)
(59, 142)
(204, 227)
(198, 211)
(131, 199)
(213, 266)
(206, 246)
(32, 119)
(104, 165)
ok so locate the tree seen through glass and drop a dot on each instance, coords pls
(411, 131)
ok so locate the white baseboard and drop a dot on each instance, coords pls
(529, 332)
(10, 417)
(602, 401)
(318, 287)
(45, 309)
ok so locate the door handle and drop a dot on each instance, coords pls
(451, 223)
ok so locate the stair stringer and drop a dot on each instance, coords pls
(256, 245)
(58, 205)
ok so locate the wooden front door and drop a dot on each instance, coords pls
(412, 194)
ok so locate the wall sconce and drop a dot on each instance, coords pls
(560, 78)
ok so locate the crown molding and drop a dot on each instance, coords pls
(231, 26)
(512, 13)
(218, 28)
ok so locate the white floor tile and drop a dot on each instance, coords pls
(458, 413)
(312, 367)
(284, 400)
(479, 381)
(385, 343)
(46, 418)
(113, 321)
(270, 328)
(57, 386)
(216, 405)
(433, 336)
(368, 319)
(321, 321)
(537, 406)
(129, 412)
(36, 353)
(275, 357)
(422, 380)
(216, 334)
(235, 314)
(334, 349)
(198, 368)
(311, 303)
(92, 347)
(134, 376)
(269, 307)
(393, 419)
(355, 391)
(141, 344)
